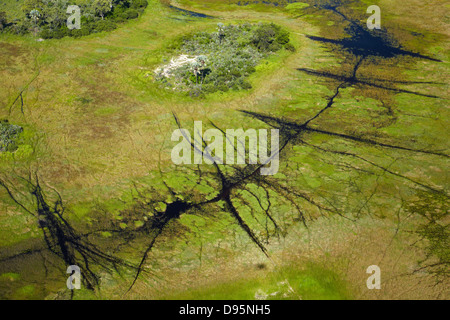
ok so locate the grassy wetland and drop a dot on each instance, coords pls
(86, 176)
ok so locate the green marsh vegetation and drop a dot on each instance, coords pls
(47, 19)
(9, 133)
(363, 164)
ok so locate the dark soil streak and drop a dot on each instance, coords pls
(61, 238)
(354, 81)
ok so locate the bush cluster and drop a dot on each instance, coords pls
(9, 134)
(87, 28)
(51, 19)
(230, 54)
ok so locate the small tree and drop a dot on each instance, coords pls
(35, 15)
(199, 68)
(29, 5)
(221, 31)
(102, 7)
(56, 13)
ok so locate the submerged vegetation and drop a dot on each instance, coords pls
(222, 60)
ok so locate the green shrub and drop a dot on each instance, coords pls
(85, 31)
(282, 37)
(275, 46)
(269, 37)
(104, 25)
(289, 47)
(222, 87)
(77, 33)
(3, 20)
(60, 33)
(120, 18)
(20, 27)
(132, 14)
(136, 4)
(246, 85)
(53, 22)
(9, 134)
(123, 16)
(46, 34)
